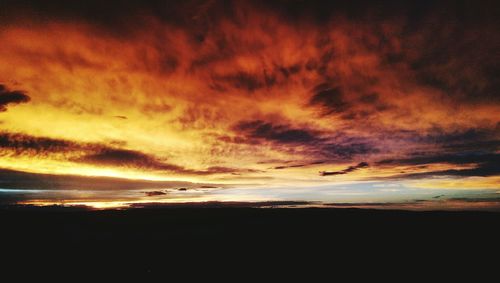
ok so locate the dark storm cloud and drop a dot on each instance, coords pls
(345, 171)
(276, 133)
(11, 97)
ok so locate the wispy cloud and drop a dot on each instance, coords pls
(345, 171)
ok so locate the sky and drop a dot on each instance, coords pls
(360, 103)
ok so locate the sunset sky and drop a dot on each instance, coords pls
(362, 103)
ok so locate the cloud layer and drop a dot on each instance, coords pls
(259, 92)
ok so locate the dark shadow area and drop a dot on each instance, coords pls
(154, 241)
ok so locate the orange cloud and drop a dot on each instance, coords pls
(246, 96)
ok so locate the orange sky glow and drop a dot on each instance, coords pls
(250, 103)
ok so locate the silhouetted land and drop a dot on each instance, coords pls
(152, 240)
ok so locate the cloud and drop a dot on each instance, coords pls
(154, 193)
(371, 98)
(478, 139)
(23, 144)
(472, 147)
(311, 143)
(482, 170)
(208, 187)
(456, 158)
(290, 166)
(245, 81)
(99, 154)
(90, 153)
(222, 169)
(11, 179)
(11, 97)
(127, 158)
(346, 150)
(450, 63)
(268, 131)
(461, 136)
(140, 160)
(330, 98)
(242, 80)
(298, 165)
(485, 164)
(345, 171)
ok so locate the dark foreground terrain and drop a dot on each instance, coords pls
(162, 240)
